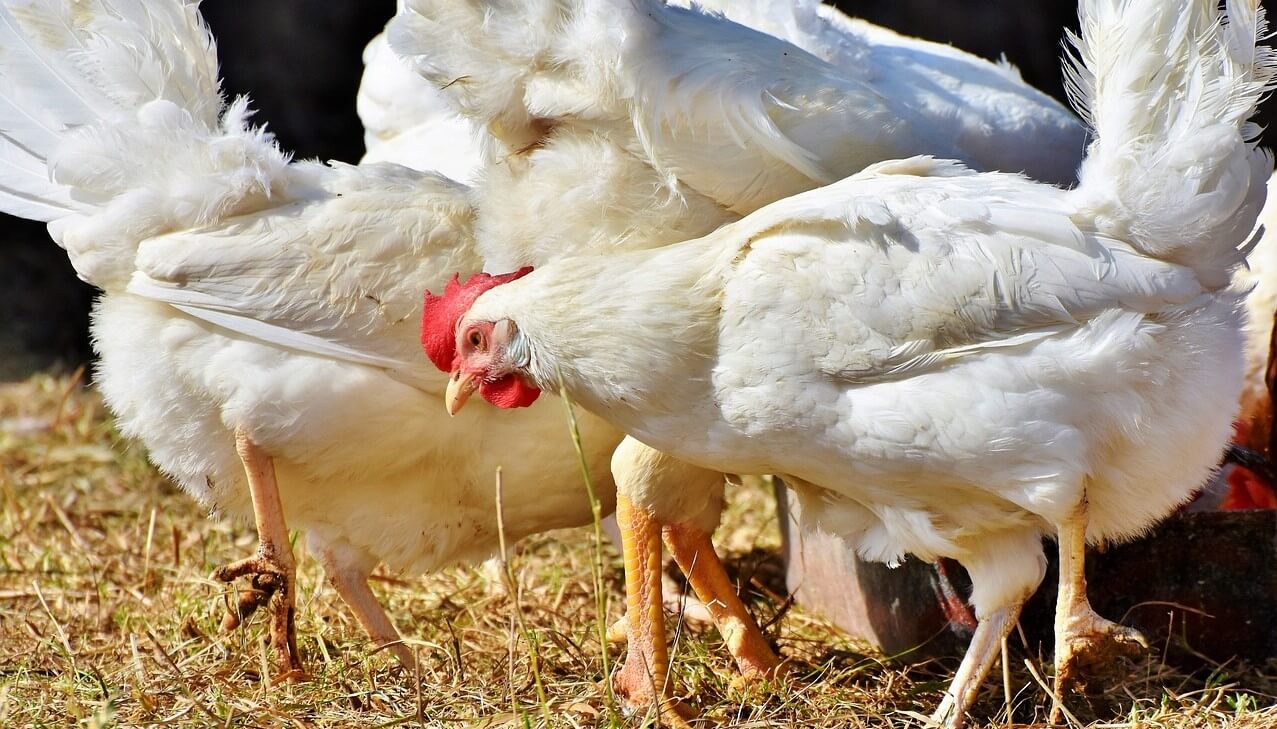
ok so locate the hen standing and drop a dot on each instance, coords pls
(947, 363)
(258, 327)
(623, 125)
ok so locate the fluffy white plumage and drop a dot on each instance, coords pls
(409, 121)
(630, 124)
(245, 292)
(948, 363)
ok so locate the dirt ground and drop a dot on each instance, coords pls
(108, 618)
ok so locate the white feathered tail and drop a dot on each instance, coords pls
(1168, 88)
(111, 119)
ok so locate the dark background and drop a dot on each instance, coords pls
(300, 62)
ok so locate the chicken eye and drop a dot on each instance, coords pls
(475, 338)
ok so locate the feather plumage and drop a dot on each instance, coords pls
(624, 124)
(408, 121)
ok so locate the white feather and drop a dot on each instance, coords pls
(740, 116)
(408, 121)
(1169, 96)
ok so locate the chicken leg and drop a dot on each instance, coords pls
(350, 580)
(1082, 638)
(985, 648)
(651, 486)
(643, 680)
(694, 552)
(273, 568)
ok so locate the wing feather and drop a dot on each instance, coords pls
(886, 275)
(340, 277)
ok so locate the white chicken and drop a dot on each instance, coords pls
(629, 125)
(942, 362)
(258, 328)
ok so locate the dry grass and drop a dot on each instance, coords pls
(107, 618)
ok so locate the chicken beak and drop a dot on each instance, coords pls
(460, 388)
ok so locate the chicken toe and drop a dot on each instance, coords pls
(1091, 641)
(273, 585)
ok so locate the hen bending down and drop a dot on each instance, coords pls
(622, 125)
(258, 326)
(947, 363)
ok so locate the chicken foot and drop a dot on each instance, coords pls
(273, 568)
(1083, 639)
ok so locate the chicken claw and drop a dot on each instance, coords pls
(273, 586)
(1091, 642)
(247, 601)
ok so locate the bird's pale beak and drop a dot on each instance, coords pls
(460, 388)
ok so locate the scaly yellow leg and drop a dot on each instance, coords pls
(643, 681)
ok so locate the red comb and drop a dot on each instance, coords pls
(440, 314)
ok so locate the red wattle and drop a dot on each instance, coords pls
(509, 392)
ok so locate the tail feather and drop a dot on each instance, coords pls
(1169, 88)
(39, 98)
(25, 188)
(71, 64)
(113, 127)
(139, 51)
